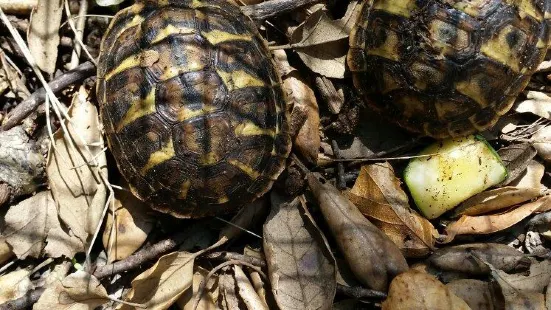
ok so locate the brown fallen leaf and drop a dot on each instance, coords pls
(321, 44)
(537, 103)
(350, 16)
(542, 143)
(32, 223)
(479, 295)
(378, 195)
(467, 258)
(247, 291)
(531, 177)
(14, 285)
(253, 213)
(161, 285)
(132, 224)
(548, 297)
(77, 187)
(208, 299)
(300, 266)
(372, 256)
(487, 224)
(78, 291)
(496, 199)
(516, 158)
(417, 290)
(524, 292)
(300, 96)
(43, 34)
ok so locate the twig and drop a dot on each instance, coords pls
(227, 256)
(359, 292)
(78, 29)
(24, 302)
(272, 8)
(26, 107)
(341, 183)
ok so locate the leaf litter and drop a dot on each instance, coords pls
(360, 236)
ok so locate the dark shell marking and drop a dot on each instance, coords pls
(447, 67)
(192, 106)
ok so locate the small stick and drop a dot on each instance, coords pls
(236, 256)
(359, 292)
(26, 107)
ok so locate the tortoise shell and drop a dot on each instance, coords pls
(447, 67)
(191, 106)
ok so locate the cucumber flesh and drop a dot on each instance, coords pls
(457, 169)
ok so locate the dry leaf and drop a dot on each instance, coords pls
(5, 251)
(524, 292)
(418, 290)
(78, 291)
(542, 142)
(531, 177)
(516, 158)
(161, 285)
(247, 291)
(537, 103)
(109, 2)
(496, 199)
(487, 224)
(300, 266)
(350, 16)
(253, 213)
(321, 44)
(21, 162)
(378, 195)
(209, 297)
(132, 225)
(43, 36)
(536, 281)
(479, 295)
(77, 187)
(467, 258)
(31, 223)
(300, 96)
(227, 289)
(14, 285)
(372, 256)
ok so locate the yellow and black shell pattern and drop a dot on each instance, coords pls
(447, 67)
(192, 106)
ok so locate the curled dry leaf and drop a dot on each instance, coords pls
(247, 291)
(321, 44)
(14, 285)
(350, 16)
(537, 103)
(300, 266)
(78, 291)
(43, 36)
(248, 216)
(487, 224)
(33, 222)
(378, 195)
(372, 256)
(161, 285)
(496, 199)
(470, 258)
(300, 96)
(208, 298)
(542, 142)
(75, 180)
(127, 230)
(21, 162)
(479, 295)
(417, 290)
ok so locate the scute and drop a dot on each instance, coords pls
(447, 67)
(192, 106)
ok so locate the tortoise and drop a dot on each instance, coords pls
(191, 105)
(445, 68)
